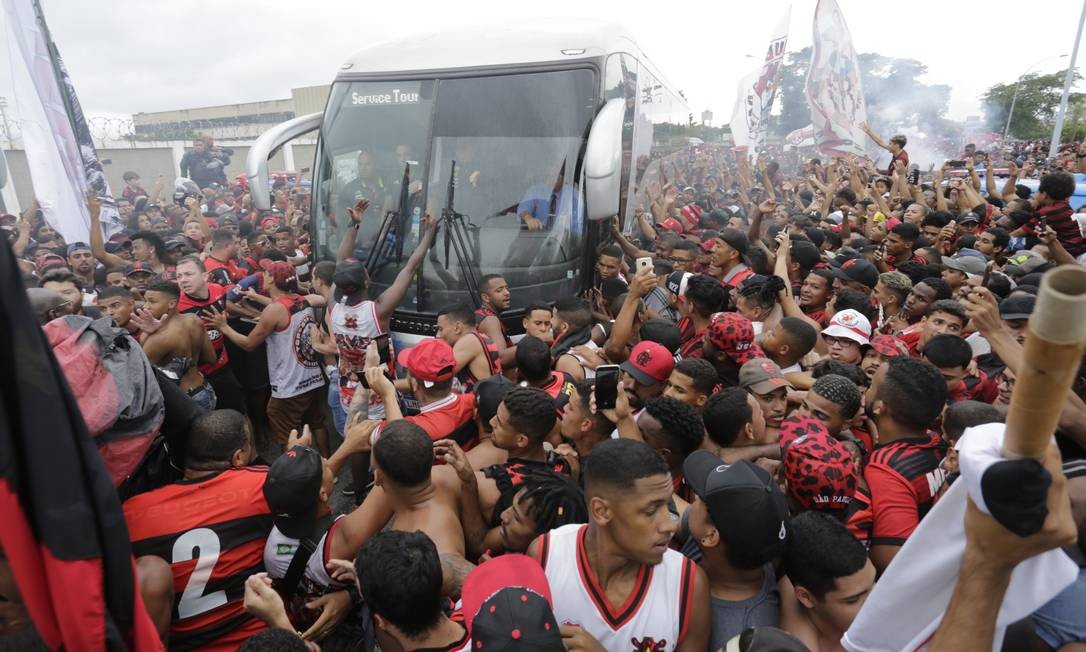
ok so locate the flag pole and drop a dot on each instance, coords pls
(1057, 131)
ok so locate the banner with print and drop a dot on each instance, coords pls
(756, 92)
(834, 89)
(61, 156)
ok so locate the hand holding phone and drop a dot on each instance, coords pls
(644, 263)
(606, 389)
(382, 342)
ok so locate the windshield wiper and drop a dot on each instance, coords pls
(394, 224)
(458, 230)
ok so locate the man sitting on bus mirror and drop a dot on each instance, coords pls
(544, 206)
(368, 185)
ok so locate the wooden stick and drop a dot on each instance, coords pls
(1055, 339)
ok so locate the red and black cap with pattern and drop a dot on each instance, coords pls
(820, 471)
(506, 602)
(733, 334)
(887, 345)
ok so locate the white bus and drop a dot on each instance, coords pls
(523, 110)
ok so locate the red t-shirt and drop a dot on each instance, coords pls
(226, 273)
(449, 418)
(974, 388)
(904, 478)
(216, 298)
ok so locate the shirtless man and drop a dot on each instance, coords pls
(171, 339)
(476, 354)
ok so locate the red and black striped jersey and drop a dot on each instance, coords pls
(858, 516)
(493, 361)
(483, 313)
(216, 298)
(212, 532)
(904, 478)
(559, 386)
(691, 339)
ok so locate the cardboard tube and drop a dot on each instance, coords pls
(1055, 339)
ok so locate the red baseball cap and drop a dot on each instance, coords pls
(281, 271)
(649, 363)
(820, 471)
(430, 361)
(507, 605)
(708, 245)
(671, 224)
(733, 334)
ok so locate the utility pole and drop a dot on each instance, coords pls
(1058, 129)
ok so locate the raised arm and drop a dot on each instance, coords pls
(640, 285)
(197, 215)
(1011, 182)
(874, 137)
(940, 196)
(350, 235)
(98, 247)
(272, 317)
(391, 297)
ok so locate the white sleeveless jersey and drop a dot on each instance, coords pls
(353, 327)
(653, 619)
(294, 366)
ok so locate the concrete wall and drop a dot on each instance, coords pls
(152, 159)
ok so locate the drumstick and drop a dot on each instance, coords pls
(1055, 338)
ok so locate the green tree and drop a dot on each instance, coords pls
(794, 113)
(1034, 109)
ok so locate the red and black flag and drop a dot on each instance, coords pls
(61, 525)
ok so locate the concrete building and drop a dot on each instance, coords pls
(228, 121)
(160, 139)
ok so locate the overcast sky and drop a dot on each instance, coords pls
(128, 56)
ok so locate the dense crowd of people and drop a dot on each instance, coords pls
(727, 438)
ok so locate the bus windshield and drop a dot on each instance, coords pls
(516, 141)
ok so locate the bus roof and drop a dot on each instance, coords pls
(504, 44)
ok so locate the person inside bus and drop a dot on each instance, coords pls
(368, 184)
(545, 206)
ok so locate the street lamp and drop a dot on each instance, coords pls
(1014, 99)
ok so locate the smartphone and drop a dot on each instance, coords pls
(643, 263)
(914, 176)
(382, 348)
(1042, 222)
(956, 164)
(606, 389)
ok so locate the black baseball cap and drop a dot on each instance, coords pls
(292, 490)
(736, 239)
(662, 331)
(743, 501)
(489, 394)
(765, 639)
(1017, 306)
(859, 270)
(349, 277)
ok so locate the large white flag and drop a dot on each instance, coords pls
(59, 151)
(834, 89)
(756, 91)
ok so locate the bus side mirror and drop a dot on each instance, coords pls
(603, 161)
(256, 163)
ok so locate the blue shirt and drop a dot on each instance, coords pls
(567, 203)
